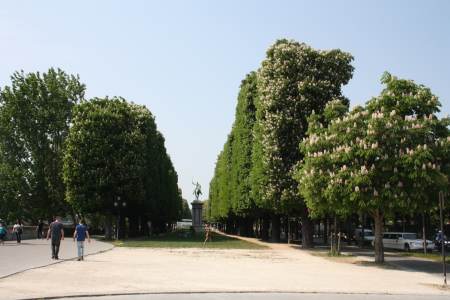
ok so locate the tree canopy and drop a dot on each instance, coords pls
(35, 115)
(387, 156)
(114, 150)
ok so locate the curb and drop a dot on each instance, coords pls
(223, 292)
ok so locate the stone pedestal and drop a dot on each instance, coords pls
(197, 215)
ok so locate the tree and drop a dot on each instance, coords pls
(319, 194)
(242, 202)
(230, 197)
(114, 150)
(293, 80)
(186, 211)
(380, 158)
(35, 115)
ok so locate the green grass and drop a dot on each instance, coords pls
(433, 256)
(185, 239)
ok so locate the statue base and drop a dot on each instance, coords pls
(197, 216)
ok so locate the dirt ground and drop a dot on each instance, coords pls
(281, 268)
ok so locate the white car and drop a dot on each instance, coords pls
(404, 241)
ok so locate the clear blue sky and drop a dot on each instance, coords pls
(185, 59)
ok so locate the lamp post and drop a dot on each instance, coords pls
(441, 208)
(119, 204)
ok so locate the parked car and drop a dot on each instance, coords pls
(404, 241)
(438, 245)
(368, 236)
(438, 241)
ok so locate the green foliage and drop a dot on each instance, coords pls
(35, 113)
(385, 157)
(186, 211)
(114, 149)
(293, 81)
(230, 188)
(253, 174)
(241, 162)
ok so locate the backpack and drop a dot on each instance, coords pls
(2, 230)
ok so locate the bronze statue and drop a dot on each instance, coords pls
(197, 190)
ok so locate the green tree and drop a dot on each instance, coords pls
(220, 205)
(114, 150)
(293, 80)
(378, 159)
(186, 210)
(242, 202)
(35, 115)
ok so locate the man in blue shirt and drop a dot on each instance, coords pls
(80, 235)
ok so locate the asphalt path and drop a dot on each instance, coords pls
(267, 296)
(31, 254)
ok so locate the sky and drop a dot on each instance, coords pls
(185, 60)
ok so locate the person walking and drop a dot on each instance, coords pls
(18, 230)
(40, 229)
(3, 232)
(56, 232)
(80, 235)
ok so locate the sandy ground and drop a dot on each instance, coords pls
(281, 268)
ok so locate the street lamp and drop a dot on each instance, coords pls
(119, 204)
(441, 208)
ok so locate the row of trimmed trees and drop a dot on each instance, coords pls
(269, 170)
(64, 155)
(253, 177)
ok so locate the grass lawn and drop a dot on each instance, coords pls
(185, 239)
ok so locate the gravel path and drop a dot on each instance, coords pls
(143, 270)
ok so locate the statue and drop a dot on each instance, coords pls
(197, 209)
(197, 190)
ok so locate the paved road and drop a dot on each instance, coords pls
(36, 253)
(267, 296)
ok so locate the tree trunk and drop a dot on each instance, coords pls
(362, 238)
(334, 245)
(378, 242)
(144, 230)
(332, 242)
(229, 226)
(338, 251)
(122, 227)
(249, 227)
(134, 226)
(276, 224)
(265, 228)
(108, 227)
(289, 237)
(296, 229)
(307, 229)
(326, 228)
(241, 227)
(424, 235)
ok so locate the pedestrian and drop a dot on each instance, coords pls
(40, 229)
(18, 230)
(3, 232)
(80, 235)
(56, 232)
